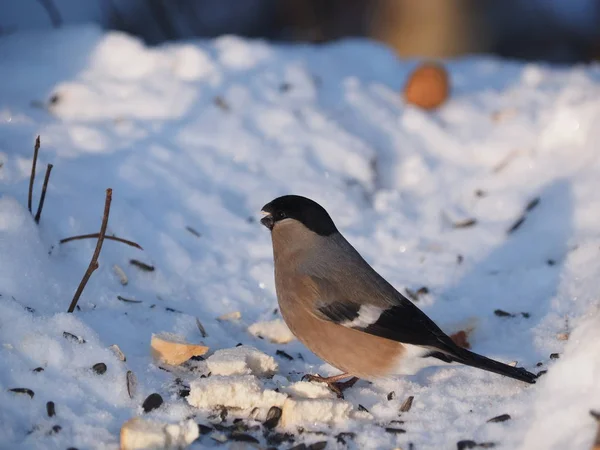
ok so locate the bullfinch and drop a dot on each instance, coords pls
(339, 307)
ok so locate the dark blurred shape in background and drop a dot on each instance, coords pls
(550, 30)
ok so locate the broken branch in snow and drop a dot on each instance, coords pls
(36, 149)
(94, 262)
(96, 235)
(38, 214)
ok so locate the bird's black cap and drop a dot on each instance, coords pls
(310, 213)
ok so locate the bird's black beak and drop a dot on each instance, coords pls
(268, 221)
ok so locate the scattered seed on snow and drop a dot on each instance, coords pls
(395, 430)
(407, 404)
(391, 396)
(193, 231)
(50, 409)
(128, 300)
(141, 265)
(72, 337)
(152, 402)
(465, 223)
(284, 354)
(23, 391)
(122, 277)
(201, 328)
(500, 418)
(118, 353)
(273, 417)
(99, 368)
(131, 383)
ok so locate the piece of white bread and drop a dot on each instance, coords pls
(169, 349)
(140, 434)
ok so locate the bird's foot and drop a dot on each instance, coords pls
(333, 383)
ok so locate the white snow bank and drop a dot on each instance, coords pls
(242, 360)
(567, 394)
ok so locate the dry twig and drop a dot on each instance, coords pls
(32, 177)
(96, 235)
(38, 214)
(94, 262)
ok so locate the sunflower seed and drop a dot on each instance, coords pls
(118, 353)
(131, 383)
(152, 402)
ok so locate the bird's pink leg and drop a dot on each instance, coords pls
(334, 382)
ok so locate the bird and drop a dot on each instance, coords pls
(342, 310)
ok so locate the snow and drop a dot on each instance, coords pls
(199, 136)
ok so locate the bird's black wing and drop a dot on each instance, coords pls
(396, 318)
(378, 309)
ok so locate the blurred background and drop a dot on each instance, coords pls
(560, 31)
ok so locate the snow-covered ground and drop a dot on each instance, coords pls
(199, 136)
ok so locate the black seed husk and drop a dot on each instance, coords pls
(500, 418)
(23, 391)
(153, 401)
(273, 417)
(99, 368)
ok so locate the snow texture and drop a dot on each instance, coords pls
(195, 137)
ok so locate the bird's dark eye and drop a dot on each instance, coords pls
(280, 215)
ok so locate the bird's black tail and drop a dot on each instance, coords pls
(481, 362)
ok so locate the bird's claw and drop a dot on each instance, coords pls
(337, 387)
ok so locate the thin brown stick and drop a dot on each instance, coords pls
(94, 262)
(38, 214)
(95, 235)
(32, 176)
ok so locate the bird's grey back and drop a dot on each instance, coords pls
(335, 261)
